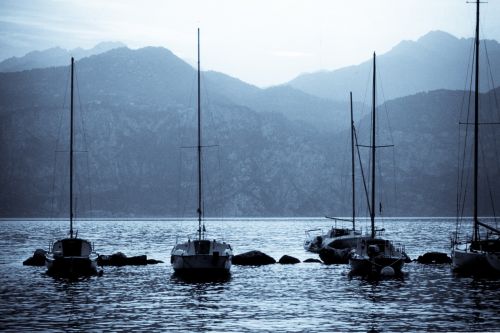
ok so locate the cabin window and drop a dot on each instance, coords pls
(202, 247)
(72, 248)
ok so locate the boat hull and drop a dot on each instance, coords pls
(372, 255)
(201, 265)
(332, 256)
(366, 266)
(337, 238)
(201, 258)
(71, 267)
(470, 261)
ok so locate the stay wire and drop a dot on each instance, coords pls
(85, 144)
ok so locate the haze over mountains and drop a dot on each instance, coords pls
(55, 56)
(437, 60)
(279, 151)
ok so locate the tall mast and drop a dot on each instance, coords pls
(71, 155)
(352, 168)
(372, 211)
(476, 125)
(199, 143)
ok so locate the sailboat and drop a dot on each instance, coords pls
(476, 255)
(71, 257)
(201, 257)
(374, 254)
(337, 244)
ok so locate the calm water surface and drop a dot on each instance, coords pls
(276, 298)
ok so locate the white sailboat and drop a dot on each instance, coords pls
(337, 244)
(71, 257)
(201, 257)
(477, 255)
(374, 254)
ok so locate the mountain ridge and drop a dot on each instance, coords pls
(434, 61)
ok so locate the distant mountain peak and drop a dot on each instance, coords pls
(436, 60)
(437, 36)
(54, 56)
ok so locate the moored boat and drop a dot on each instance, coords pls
(374, 254)
(71, 257)
(479, 254)
(201, 258)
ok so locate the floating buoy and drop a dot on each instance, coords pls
(387, 271)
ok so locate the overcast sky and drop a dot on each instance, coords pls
(263, 42)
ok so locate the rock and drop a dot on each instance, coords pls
(434, 258)
(38, 258)
(286, 260)
(120, 259)
(253, 258)
(331, 256)
(154, 262)
(313, 260)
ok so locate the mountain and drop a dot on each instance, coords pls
(136, 121)
(437, 60)
(55, 56)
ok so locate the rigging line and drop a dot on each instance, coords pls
(492, 81)
(469, 71)
(362, 171)
(85, 142)
(53, 187)
(466, 137)
(80, 108)
(461, 191)
(221, 183)
(381, 85)
(380, 190)
(212, 119)
(495, 97)
(343, 183)
(61, 114)
(179, 184)
(491, 194)
(90, 187)
(468, 179)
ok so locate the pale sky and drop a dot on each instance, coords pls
(262, 42)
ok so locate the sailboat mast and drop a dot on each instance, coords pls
(199, 143)
(372, 212)
(476, 125)
(352, 168)
(71, 154)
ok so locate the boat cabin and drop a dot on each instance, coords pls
(72, 247)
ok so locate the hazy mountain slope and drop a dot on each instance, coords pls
(437, 60)
(138, 112)
(55, 56)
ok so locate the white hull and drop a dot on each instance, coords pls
(494, 260)
(71, 257)
(201, 263)
(338, 238)
(201, 258)
(468, 260)
(373, 254)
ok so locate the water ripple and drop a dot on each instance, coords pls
(276, 298)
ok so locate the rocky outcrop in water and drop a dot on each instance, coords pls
(120, 259)
(311, 260)
(434, 258)
(332, 256)
(287, 260)
(38, 258)
(253, 258)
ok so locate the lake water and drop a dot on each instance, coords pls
(307, 297)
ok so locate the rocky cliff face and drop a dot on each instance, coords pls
(136, 126)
